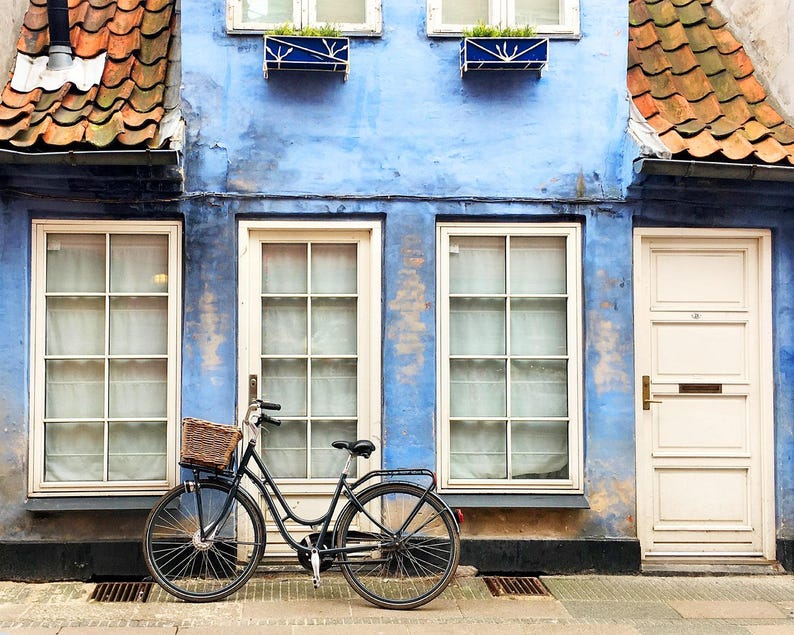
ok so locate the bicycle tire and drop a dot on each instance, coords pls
(411, 571)
(203, 571)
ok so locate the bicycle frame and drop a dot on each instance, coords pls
(280, 516)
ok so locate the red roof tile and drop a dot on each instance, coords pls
(128, 104)
(695, 85)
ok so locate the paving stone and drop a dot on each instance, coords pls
(694, 609)
(620, 610)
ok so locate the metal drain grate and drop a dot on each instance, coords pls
(122, 591)
(506, 585)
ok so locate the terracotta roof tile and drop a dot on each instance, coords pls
(136, 89)
(696, 86)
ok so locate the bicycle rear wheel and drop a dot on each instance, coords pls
(414, 546)
(199, 570)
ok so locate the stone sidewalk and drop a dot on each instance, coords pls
(286, 603)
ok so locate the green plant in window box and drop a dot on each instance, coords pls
(310, 48)
(497, 48)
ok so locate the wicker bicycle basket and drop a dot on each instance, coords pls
(208, 444)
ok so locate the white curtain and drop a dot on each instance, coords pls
(309, 347)
(464, 11)
(272, 11)
(537, 12)
(519, 330)
(341, 11)
(82, 391)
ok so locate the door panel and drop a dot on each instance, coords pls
(309, 340)
(703, 333)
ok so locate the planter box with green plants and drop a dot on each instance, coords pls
(492, 48)
(308, 49)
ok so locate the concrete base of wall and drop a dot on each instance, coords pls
(551, 556)
(124, 560)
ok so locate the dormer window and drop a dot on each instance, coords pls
(351, 17)
(549, 17)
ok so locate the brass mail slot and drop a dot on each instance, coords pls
(700, 389)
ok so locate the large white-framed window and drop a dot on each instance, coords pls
(352, 17)
(105, 305)
(510, 340)
(549, 17)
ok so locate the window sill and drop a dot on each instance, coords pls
(89, 503)
(549, 501)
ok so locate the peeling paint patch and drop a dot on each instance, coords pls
(211, 331)
(407, 330)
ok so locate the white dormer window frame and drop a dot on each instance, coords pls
(503, 12)
(241, 17)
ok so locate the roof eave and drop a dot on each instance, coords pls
(164, 157)
(714, 170)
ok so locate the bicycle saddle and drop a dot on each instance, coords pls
(362, 447)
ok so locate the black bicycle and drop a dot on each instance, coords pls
(396, 542)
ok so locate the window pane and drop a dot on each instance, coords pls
(477, 327)
(73, 451)
(341, 11)
(537, 265)
(138, 326)
(334, 268)
(275, 11)
(334, 326)
(284, 381)
(75, 389)
(327, 462)
(538, 327)
(283, 268)
(137, 451)
(537, 12)
(284, 326)
(477, 388)
(76, 263)
(284, 449)
(478, 449)
(75, 326)
(539, 388)
(464, 11)
(334, 388)
(138, 264)
(476, 265)
(539, 449)
(138, 388)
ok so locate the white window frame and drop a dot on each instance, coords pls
(502, 12)
(37, 486)
(574, 484)
(304, 14)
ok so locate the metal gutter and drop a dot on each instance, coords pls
(714, 170)
(91, 157)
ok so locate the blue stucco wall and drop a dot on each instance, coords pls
(408, 142)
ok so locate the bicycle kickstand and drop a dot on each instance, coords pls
(315, 560)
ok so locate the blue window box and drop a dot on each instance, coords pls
(504, 54)
(306, 53)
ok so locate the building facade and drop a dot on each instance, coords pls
(518, 279)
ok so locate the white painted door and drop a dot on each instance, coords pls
(704, 394)
(310, 340)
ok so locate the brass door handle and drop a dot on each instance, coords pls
(646, 393)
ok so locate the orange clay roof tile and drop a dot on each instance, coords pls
(132, 97)
(700, 94)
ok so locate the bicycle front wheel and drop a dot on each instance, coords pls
(196, 569)
(409, 545)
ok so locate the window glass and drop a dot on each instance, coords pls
(537, 12)
(309, 355)
(106, 399)
(341, 11)
(274, 11)
(451, 17)
(510, 402)
(464, 11)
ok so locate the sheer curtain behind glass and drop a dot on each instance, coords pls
(105, 357)
(309, 354)
(508, 381)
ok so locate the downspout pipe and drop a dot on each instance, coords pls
(60, 50)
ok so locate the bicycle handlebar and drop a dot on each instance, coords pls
(257, 417)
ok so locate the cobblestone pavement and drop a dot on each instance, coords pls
(286, 603)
